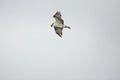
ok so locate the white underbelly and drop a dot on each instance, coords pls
(58, 25)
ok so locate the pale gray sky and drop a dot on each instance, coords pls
(30, 49)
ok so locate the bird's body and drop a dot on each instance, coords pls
(59, 24)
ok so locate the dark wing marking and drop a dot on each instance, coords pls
(61, 20)
(52, 24)
(58, 31)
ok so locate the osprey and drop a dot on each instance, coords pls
(59, 24)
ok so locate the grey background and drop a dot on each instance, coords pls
(30, 49)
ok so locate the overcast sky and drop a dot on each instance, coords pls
(31, 50)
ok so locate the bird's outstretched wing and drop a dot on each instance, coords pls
(58, 31)
(58, 16)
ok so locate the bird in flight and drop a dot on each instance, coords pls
(59, 24)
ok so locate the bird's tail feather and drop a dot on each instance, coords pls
(67, 27)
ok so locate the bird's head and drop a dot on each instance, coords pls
(57, 14)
